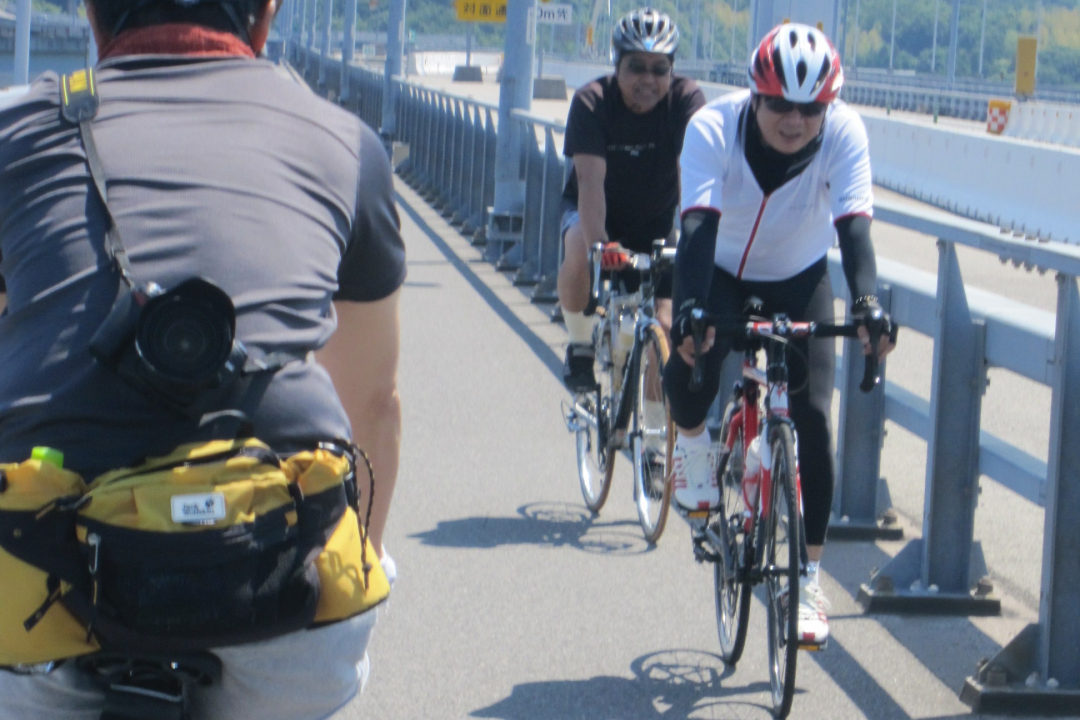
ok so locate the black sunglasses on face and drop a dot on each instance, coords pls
(660, 70)
(782, 106)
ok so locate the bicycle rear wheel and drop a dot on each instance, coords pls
(653, 438)
(730, 584)
(781, 558)
(595, 459)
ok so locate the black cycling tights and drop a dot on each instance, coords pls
(807, 296)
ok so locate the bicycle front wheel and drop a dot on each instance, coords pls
(781, 558)
(595, 459)
(653, 438)
(730, 584)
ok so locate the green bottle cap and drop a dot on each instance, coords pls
(48, 455)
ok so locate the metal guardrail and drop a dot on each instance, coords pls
(451, 147)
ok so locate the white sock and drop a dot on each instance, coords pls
(695, 441)
(578, 327)
(813, 571)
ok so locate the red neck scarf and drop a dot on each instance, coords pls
(176, 39)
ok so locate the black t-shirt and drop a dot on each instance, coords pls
(222, 168)
(642, 153)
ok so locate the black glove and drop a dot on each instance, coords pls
(867, 311)
(682, 324)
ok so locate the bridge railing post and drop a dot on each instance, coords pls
(1038, 672)
(395, 45)
(529, 272)
(22, 42)
(463, 204)
(506, 215)
(348, 50)
(550, 236)
(454, 189)
(933, 574)
(491, 142)
(478, 200)
(324, 42)
(860, 436)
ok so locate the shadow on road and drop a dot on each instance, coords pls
(923, 636)
(670, 684)
(553, 524)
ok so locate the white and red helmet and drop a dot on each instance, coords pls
(796, 62)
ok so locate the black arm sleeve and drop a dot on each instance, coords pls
(857, 255)
(695, 258)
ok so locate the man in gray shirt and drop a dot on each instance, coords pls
(221, 166)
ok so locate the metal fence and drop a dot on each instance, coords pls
(451, 144)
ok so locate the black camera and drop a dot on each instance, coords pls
(171, 345)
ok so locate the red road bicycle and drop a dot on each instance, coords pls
(756, 535)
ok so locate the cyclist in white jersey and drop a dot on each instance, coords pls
(771, 178)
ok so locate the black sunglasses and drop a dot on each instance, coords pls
(783, 106)
(659, 70)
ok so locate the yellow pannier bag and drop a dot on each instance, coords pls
(28, 489)
(219, 543)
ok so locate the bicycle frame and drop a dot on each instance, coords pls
(750, 419)
(616, 305)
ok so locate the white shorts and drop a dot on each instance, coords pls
(306, 675)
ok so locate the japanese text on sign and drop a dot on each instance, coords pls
(554, 14)
(481, 10)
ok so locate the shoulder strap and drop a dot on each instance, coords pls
(288, 71)
(79, 105)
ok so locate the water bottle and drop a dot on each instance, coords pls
(758, 467)
(627, 324)
(623, 344)
(48, 455)
(751, 480)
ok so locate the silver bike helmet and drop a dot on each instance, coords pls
(644, 30)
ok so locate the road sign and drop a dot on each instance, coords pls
(1027, 49)
(481, 10)
(554, 14)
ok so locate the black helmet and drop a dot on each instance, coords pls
(645, 30)
(118, 13)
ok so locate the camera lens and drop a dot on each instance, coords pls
(186, 334)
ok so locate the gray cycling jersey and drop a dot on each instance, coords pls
(222, 168)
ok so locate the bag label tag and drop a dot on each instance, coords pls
(202, 509)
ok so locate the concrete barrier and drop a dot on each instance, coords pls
(443, 63)
(1023, 186)
(1055, 123)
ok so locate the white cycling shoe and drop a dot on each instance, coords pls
(693, 477)
(813, 623)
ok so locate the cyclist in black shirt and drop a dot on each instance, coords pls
(624, 134)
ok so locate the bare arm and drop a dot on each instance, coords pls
(362, 359)
(592, 206)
